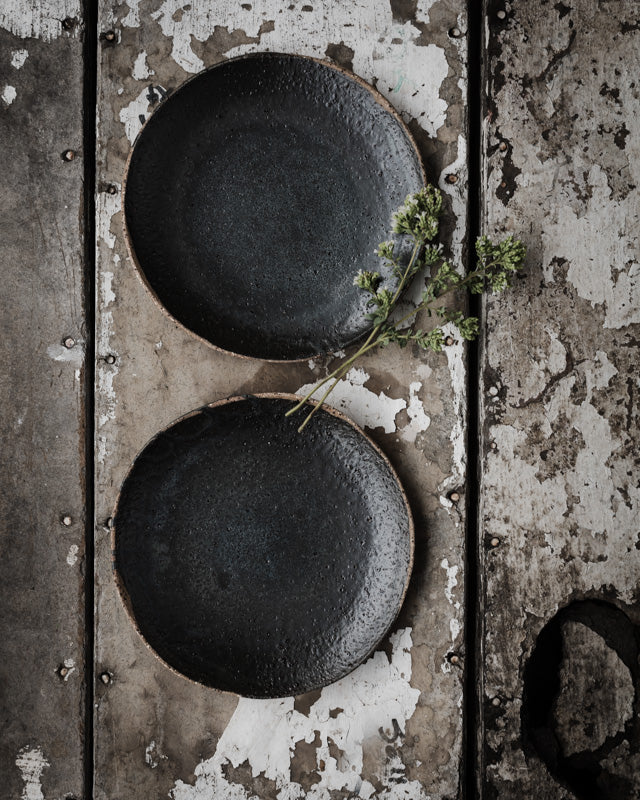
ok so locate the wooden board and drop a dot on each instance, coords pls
(394, 727)
(42, 399)
(560, 496)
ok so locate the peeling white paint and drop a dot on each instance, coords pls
(130, 115)
(601, 248)
(418, 419)
(264, 733)
(367, 409)
(74, 355)
(31, 763)
(140, 68)
(152, 755)
(9, 94)
(18, 57)
(70, 666)
(41, 20)
(408, 74)
(457, 373)
(72, 555)
(452, 581)
(106, 206)
(132, 20)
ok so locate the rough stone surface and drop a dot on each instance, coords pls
(42, 400)
(394, 727)
(560, 411)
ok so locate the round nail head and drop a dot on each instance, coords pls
(495, 701)
(110, 36)
(112, 189)
(502, 146)
(63, 671)
(495, 541)
(455, 33)
(454, 659)
(452, 178)
(68, 155)
(105, 678)
(68, 23)
(449, 341)
(69, 342)
(501, 14)
(66, 520)
(454, 497)
(110, 359)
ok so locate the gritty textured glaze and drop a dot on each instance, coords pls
(254, 195)
(258, 560)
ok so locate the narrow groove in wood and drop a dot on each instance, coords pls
(472, 717)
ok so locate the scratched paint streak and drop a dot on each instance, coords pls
(264, 733)
(31, 763)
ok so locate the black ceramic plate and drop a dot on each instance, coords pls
(254, 195)
(258, 560)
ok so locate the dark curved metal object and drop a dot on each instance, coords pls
(255, 193)
(257, 560)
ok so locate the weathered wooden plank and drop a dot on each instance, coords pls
(399, 730)
(42, 399)
(560, 494)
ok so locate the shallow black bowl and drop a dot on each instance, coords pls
(258, 560)
(256, 192)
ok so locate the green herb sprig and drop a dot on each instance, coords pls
(419, 219)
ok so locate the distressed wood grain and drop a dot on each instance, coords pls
(394, 727)
(42, 399)
(560, 492)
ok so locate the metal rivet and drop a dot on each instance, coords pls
(112, 189)
(503, 185)
(455, 33)
(449, 341)
(454, 497)
(452, 178)
(495, 701)
(501, 14)
(493, 445)
(502, 146)
(109, 36)
(69, 23)
(68, 155)
(453, 658)
(63, 671)
(110, 359)
(494, 542)
(105, 677)
(66, 520)
(493, 390)
(69, 342)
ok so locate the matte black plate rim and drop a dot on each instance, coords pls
(124, 595)
(377, 96)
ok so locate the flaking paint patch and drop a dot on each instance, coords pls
(9, 94)
(41, 20)
(133, 115)
(367, 409)
(601, 248)
(18, 57)
(106, 206)
(141, 69)
(74, 355)
(72, 555)
(132, 20)
(264, 733)
(31, 763)
(457, 373)
(418, 419)
(410, 75)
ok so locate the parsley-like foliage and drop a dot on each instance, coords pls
(418, 218)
